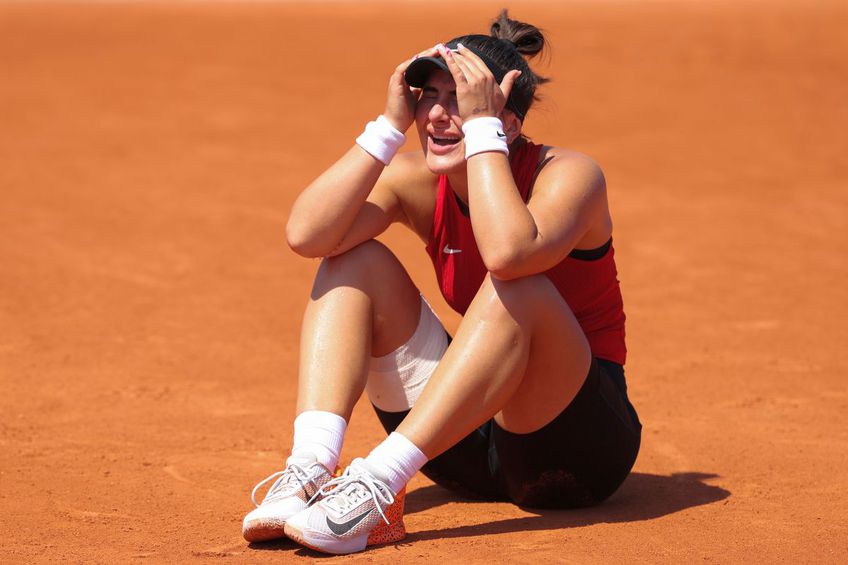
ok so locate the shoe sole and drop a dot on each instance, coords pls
(381, 535)
(264, 530)
(296, 535)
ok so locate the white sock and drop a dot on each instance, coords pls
(319, 434)
(397, 460)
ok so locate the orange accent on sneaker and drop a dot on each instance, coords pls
(395, 530)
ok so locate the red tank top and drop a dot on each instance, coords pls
(589, 287)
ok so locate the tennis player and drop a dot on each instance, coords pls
(527, 402)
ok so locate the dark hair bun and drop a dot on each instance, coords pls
(527, 39)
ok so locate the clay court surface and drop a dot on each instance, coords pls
(150, 309)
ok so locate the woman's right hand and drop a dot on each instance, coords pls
(402, 98)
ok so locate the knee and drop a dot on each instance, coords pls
(365, 258)
(505, 289)
(513, 297)
(370, 267)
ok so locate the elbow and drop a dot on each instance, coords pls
(303, 243)
(505, 266)
(510, 256)
(506, 273)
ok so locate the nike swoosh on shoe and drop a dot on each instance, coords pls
(345, 527)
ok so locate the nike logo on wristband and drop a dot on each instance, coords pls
(451, 251)
(342, 529)
(500, 134)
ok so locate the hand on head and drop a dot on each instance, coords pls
(477, 92)
(402, 98)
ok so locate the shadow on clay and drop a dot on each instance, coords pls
(275, 545)
(642, 497)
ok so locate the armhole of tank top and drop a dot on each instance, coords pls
(579, 254)
(539, 166)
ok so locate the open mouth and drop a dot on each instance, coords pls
(444, 141)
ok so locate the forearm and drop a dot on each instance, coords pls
(503, 226)
(327, 208)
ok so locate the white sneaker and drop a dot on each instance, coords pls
(358, 510)
(295, 487)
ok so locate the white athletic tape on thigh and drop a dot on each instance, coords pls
(381, 140)
(484, 134)
(396, 380)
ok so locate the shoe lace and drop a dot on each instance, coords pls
(292, 476)
(354, 485)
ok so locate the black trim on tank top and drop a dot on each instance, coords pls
(579, 254)
(463, 207)
(591, 254)
(539, 168)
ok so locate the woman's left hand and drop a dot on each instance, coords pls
(477, 93)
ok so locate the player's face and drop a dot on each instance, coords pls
(439, 124)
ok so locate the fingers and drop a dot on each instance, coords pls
(463, 69)
(470, 70)
(453, 67)
(401, 98)
(474, 61)
(509, 80)
(477, 91)
(430, 52)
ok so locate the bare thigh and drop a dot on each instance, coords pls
(558, 355)
(519, 356)
(363, 304)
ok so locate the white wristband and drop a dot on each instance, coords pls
(484, 134)
(381, 140)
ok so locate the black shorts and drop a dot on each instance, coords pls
(578, 459)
